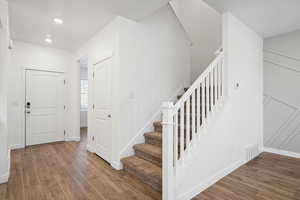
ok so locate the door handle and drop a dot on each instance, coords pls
(109, 116)
(27, 112)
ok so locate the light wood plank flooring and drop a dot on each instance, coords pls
(65, 170)
(268, 177)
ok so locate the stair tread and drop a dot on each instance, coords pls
(146, 168)
(154, 135)
(157, 123)
(152, 150)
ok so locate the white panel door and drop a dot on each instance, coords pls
(102, 109)
(44, 107)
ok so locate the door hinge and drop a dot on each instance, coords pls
(93, 75)
(64, 82)
(64, 132)
(93, 138)
(64, 107)
(93, 106)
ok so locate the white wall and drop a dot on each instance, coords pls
(154, 65)
(30, 56)
(281, 92)
(239, 123)
(151, 62)
(203, 25)
(4, 62)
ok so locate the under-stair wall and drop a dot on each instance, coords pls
(234, 132)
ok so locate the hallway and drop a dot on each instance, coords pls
(65, 170)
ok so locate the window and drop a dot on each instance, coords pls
(84, 94)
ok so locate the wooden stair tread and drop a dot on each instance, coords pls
(146, 171)
(152, 150)
(154, 135)
(157, 123)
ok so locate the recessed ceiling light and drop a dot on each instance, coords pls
(48, 40)
(58, 21)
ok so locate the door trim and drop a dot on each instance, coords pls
(23, 95)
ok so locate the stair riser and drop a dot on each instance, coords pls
(155, 184)
(150, 158)
(157, 128)
(153, 142)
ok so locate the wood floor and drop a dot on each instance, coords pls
(65, 170)
(268, 177)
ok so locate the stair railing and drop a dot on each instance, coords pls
(188, 118)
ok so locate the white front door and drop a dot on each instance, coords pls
(44, 107)
(102, 109)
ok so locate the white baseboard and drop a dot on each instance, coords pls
(17, 146)
(4, 178)
(209, 182)
(117, 165)
(282, 152)
(90, 148)
(69, 139)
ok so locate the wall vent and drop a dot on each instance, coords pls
(252, 152)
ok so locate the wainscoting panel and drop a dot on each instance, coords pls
(281, 101)
(276, 116)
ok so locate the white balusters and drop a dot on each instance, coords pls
(187, 131)
(207, 97)
(193, 116)
(198, 109)
(181, 137)
(203, 104)
(219, 81)
(176, 157)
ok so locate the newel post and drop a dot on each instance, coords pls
(168, 176)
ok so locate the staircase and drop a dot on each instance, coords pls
(167, 146)
(146, 164)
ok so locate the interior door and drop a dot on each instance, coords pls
(102, 109)
(44, 107)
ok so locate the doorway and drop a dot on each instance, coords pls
(44, 107)
(84, 97)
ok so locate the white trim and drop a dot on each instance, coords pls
(210, 181)
(117, 165)
(282, 152)
(90, 148)
(17, 146)
(69, 139)
(4, 178)
(37, 68)
(281, 54)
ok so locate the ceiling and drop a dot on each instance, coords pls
(32, 20)
(266, 17)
